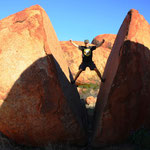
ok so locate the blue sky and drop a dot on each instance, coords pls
(81, 19)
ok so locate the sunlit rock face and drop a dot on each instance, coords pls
(109, 40)
(123, 103)
(38, 105)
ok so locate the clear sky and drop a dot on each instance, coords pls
(81, 19)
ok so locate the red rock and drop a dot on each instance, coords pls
(123, 102)
(74, 58)
(38, 104)
(109, 40)
(90, 100)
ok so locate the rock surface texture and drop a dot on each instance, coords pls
(73, 57)
(123, 104)
(38, 104)
(109, 40)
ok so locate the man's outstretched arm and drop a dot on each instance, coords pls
(74, 44)
(100, 43)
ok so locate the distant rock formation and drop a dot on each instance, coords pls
(38, 104)
(123, 104)
(73, 57)
(109, 40)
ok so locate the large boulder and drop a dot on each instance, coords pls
(109, 40)
(38, 104)
(123, 104)
(73, 57)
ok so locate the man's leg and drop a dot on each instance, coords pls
(92, 66)
(77, 75)
(99, 74)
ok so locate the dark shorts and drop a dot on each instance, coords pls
(90, 64)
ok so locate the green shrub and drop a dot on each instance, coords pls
(141, 137)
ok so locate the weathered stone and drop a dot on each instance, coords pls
(109, 40)
(123, 104)
(90, 100)
(38, 104)
(73, 57)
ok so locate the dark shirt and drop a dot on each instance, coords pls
(87, 53)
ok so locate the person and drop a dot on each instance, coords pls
(87, 53)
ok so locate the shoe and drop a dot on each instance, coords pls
(103, 80)
(73, 82)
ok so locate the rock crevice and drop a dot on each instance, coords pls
(38, 104)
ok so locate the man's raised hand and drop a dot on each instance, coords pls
(73, 43)
(103, 41)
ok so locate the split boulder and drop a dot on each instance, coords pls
(123, 104)
(38, 105)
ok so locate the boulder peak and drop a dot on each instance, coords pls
(123, 101)
(38, 104)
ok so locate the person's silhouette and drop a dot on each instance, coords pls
(87, 53)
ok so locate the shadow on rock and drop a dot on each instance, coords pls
(42, 106)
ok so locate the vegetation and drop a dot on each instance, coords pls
(89, 89)
(141, 138)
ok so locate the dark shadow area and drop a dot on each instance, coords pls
(39, 102)
(127, 108)
(72, 95)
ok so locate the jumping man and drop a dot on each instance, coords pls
(87, 53)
